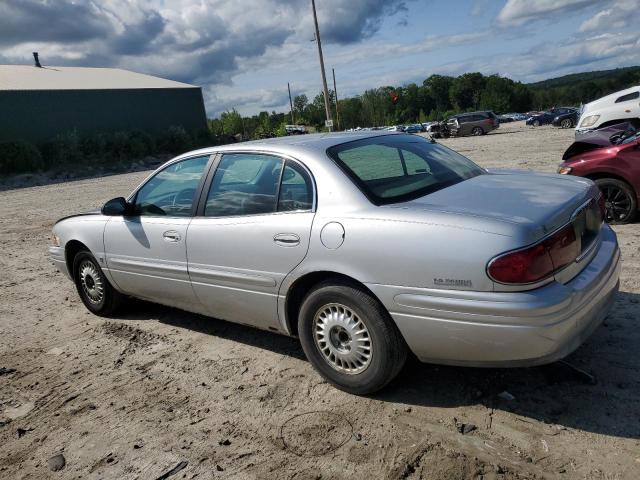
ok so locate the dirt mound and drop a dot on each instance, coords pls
(436, 462)
(315, 433)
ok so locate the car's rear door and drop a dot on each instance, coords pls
(146, 252)
(252, 228)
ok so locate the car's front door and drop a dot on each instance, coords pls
(251, 230)
(146, 251)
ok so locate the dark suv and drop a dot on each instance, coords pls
(473, 123)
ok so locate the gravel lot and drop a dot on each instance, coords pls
(136, 396)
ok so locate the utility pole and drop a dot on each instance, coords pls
(293, 118)
(324, 77)
(335, 92)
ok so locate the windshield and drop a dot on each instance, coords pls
(396, 168)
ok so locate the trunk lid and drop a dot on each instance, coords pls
(538, 203)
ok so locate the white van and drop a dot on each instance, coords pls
(612, 109)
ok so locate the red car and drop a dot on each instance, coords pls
(611, 158)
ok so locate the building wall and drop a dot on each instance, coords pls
(40, 115)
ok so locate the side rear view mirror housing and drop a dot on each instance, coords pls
(116, 207)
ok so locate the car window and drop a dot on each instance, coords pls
(391, 169)
(360, 160)
(171, 191)
(244, 184)
(414, 163)
(628, 96)
(296, 189)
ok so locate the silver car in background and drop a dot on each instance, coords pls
(365, 245)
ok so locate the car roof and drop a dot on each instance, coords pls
(472, 113)
(296, 143)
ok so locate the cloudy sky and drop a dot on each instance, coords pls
(243, 52)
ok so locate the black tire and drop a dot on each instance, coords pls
(620, 200)
(477, 131)
(536, 123)
(89, 277)
(566, 123)
(387, 352)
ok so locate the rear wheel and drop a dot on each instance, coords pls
(620, 200)
(477, 131)
(350, 338)
(536, 123)
(94, 289)
(566, 123)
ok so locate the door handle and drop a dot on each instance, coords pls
(287, 239)
(171, 236)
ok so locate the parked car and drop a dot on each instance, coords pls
(438, 129)
(414, 128)
(295, 129)
(567, 120)
(472, 123)
(611, 109)
(611, 157)
(545, 118)
(363, 245)
(517, 117)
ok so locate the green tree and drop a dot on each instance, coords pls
(299, 104)
(232, 123)
(466, 90)
(438, 86)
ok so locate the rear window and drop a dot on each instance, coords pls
(396, 168)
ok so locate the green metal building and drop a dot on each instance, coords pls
(38, 103)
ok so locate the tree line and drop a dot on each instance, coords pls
(437, 98)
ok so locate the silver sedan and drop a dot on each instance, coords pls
(364, 245)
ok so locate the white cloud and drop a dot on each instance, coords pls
(622, 14)
(518, 12)
(604, 51)
(197, 41)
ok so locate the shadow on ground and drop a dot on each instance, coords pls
(608, 403)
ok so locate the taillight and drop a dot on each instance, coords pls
(537, 262)
(563, 247)
(524, 266)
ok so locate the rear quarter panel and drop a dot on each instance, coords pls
(379, 249)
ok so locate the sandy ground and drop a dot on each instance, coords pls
(156, 388)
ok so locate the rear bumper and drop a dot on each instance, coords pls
(507, 329)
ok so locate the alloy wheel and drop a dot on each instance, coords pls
(91, 281)
(617, 203)
(342, 338)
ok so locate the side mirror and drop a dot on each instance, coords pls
(116, 207)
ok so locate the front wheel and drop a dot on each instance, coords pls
(94, 289)
(619, 200)
(536, 123)
(566, 123)
(477, 131)
(349, 338)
